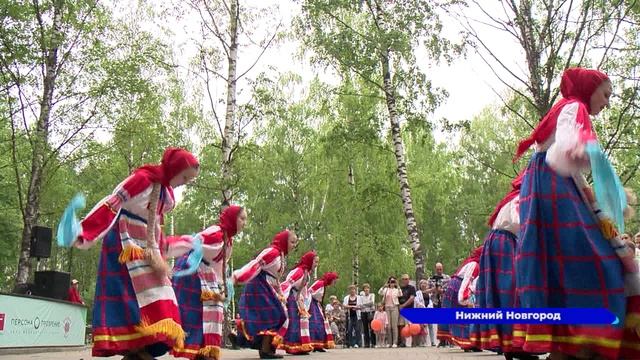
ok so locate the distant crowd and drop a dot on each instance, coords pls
(363, 320)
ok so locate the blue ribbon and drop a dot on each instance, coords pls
(607, 185)
(194, 259)
(69, 227)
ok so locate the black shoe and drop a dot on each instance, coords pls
(522, 356)
(269, 356)
(320, 350)
(402, 345)
(304, 353)
(141, 355)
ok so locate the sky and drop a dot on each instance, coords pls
(469, 82)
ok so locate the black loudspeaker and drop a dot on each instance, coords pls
(52, 284)
(41, 242)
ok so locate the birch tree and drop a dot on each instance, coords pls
(376, 41)
(226, 26)
(40, 64)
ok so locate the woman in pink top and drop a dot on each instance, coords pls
(390, 294)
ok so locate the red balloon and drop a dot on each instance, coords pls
(406, 331)
(376, 325)
(415, 329)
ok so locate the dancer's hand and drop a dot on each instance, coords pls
(77, 242)
(608, 229)
(577, 153)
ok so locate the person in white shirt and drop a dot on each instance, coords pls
(366, 314)
(390, 294)
(421, 301)
(353, 304)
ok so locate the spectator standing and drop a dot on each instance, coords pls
(422, 301)
(367, 311)
(381, 336)
(408, 294)
(437, 285)
(390, 294)
(353, 304)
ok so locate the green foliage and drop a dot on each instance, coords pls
(318, 157)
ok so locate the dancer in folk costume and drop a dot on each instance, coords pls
(201, 294)
(135, 311)
(319, 330)
(631, 338)
(295, 331)
(458, 294)
(262, 305)
(496, 282)
(630, 347)
(617, 208)
(562, 258)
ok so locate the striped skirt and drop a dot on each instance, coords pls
(192, 307)
(296, 339)
(496, 288)
(261, 313)
(563, 260)
(319, 330)
(116, 314)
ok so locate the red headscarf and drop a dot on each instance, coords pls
(229, 220)
(475, 256)
(281, 241)
(515, 191)
(329, 277)
(174, 161)
(306, 261)
(577, 84)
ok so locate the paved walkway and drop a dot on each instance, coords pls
(337, 354)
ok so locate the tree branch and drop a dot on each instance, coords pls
(261, 53)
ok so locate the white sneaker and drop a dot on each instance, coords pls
(355, 346)
(394, 346)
